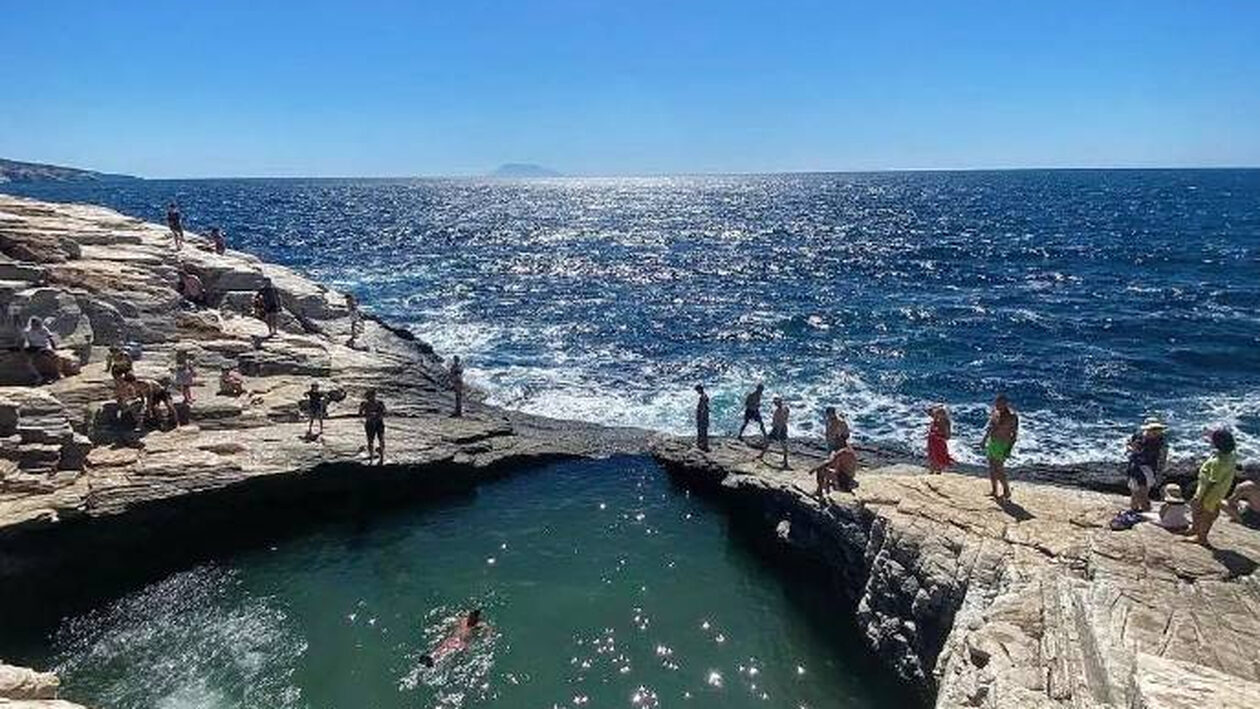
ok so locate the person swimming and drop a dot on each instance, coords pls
(458, 640)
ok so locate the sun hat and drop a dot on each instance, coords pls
(1153, 424)
(1172, 493)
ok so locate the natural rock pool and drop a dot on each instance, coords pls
(604, 585)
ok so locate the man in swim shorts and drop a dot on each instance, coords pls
(778, 431)
(836, 473)
(373, 412)
(752, 410)
(999, 442)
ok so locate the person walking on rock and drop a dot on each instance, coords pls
(778, 431)
(456, 376)
(752, 410)
(315, 407)
(702, 418)
(356, 318)
(269, 303)
(175, 221)
(373, 412)
(1216, 476)
(999, 442)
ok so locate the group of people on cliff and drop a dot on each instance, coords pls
(1146, 456)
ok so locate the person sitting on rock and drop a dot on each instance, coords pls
(230, 382)
(838, 472)
(190, 286)
(217, 242)
(118, 362)
(315, 408)
(268, 300)
(373, 412)
(1148, 451)
(1216, 476)
(185, 376)
(131, 400)
(1174, 514)
(40, 346)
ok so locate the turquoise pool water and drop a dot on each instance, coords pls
(604, 586)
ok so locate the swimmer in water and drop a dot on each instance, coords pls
(458, 640)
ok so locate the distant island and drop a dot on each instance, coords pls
(522, 169)
(17, 171)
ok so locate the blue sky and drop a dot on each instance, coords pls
(166, 89)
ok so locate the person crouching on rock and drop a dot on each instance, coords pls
(999, 442)
(131, 401)
(315, 407)
(1216, 476)
(939, 431)
(456, 375)
(230, 382)
(373, 412)
(1147, 452)
(40, 346)
(836, 473)
(158, 393)
(190, 286)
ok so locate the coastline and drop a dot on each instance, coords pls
(75, 496)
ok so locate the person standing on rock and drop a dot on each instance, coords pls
(185, 376)
(269, 300)
(1148, 450)
(999, 442)
(456, 376)
(373, 412)
(356, 318)
(1216, 476)
(778, 430)
(175, 221)
(835, 430)
(702, 418)
(939, 431)
(752, 410)
(315, 407)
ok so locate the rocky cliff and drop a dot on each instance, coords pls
(1028, 603)
(81, 487)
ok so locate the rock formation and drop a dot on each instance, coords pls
(69, 463)
(1028, 603)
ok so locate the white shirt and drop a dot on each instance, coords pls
(38, 337)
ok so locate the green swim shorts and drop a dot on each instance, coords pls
(998, 450)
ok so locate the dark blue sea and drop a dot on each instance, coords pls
(1093, 298)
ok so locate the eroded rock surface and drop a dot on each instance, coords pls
(1031, 603)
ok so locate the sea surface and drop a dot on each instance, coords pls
(603, 585)
(1092, 298)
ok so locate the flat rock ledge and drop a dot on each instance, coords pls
(68, 470)
(22, 688)
(1031, 603)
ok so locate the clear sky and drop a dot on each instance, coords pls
(227, 88)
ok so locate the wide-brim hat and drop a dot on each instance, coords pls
(1172, 493)
(1154, 424)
